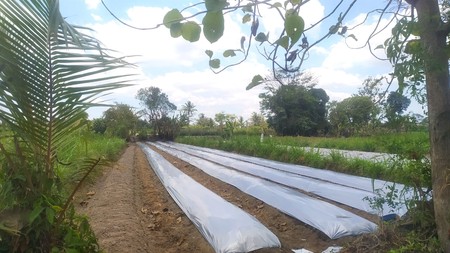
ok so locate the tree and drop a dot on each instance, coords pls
(352, 115)
(121, 121)
(241, 122)
(204, 121)
(256, 119)
(50, 73)
(220, 118)
(372, 87)
(395, 105)
(417, 50)
(156, 106)
(188, 110)
(296, 108)
(99, 125)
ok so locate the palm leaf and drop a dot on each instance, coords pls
(51, 72)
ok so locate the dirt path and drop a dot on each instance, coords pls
(130, 211)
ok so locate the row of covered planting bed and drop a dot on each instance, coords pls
(226, 227)
(273, 183)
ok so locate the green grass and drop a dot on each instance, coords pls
(281, 149)
(87, 145)
(387, 143)
(81, 145)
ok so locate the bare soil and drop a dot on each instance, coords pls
(130, 211)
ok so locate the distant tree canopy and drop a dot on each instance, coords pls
(187, 112)
(396, 104)
(157, 107)
(256, 119)
(297, 108)
(204, 121)
(156, 103)
(98, 125)
(352, 114)
(120, 120)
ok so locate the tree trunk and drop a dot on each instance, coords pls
(438, 93)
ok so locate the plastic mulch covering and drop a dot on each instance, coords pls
(333, 221)
(350, 190)
(226, 227)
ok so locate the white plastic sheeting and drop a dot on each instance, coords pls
(348, 195)
(226, 227)
(405, 193)
(333, 221)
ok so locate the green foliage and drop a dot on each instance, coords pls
(121, 121)
(190, 31)
(172, 17)
(96, 145)
(257, 80)
(215, 5)
(156, 107)
(296, 110)
(187, 111)
(213, 25)
(396, 104)
(273, 148)
(98, 125)
(51, 73)
(204, 121)
(417, 230)
(407, 57)
(44, 233)
(229, 128)
(167, 128)
(352, 115)
(294, 26)
(73, 232)
(407, 146)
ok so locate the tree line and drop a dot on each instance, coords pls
(297, 108)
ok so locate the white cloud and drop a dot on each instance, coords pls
(213, 93)
(343, 68)
(97, 18)
(92, 4)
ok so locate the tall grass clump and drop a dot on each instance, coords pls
(86, 144)
(271, 148)
(387, 143)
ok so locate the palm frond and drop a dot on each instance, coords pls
(51, 72)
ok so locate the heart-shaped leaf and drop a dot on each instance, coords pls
(213, 26)
(214, 63)
(283, 41)
(172, 17)
(257, 80)
(209, 53)
(294, 26)
(229, 53)
(191, 31)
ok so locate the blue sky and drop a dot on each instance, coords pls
(180, 68)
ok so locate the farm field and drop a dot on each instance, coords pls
(130, 211)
